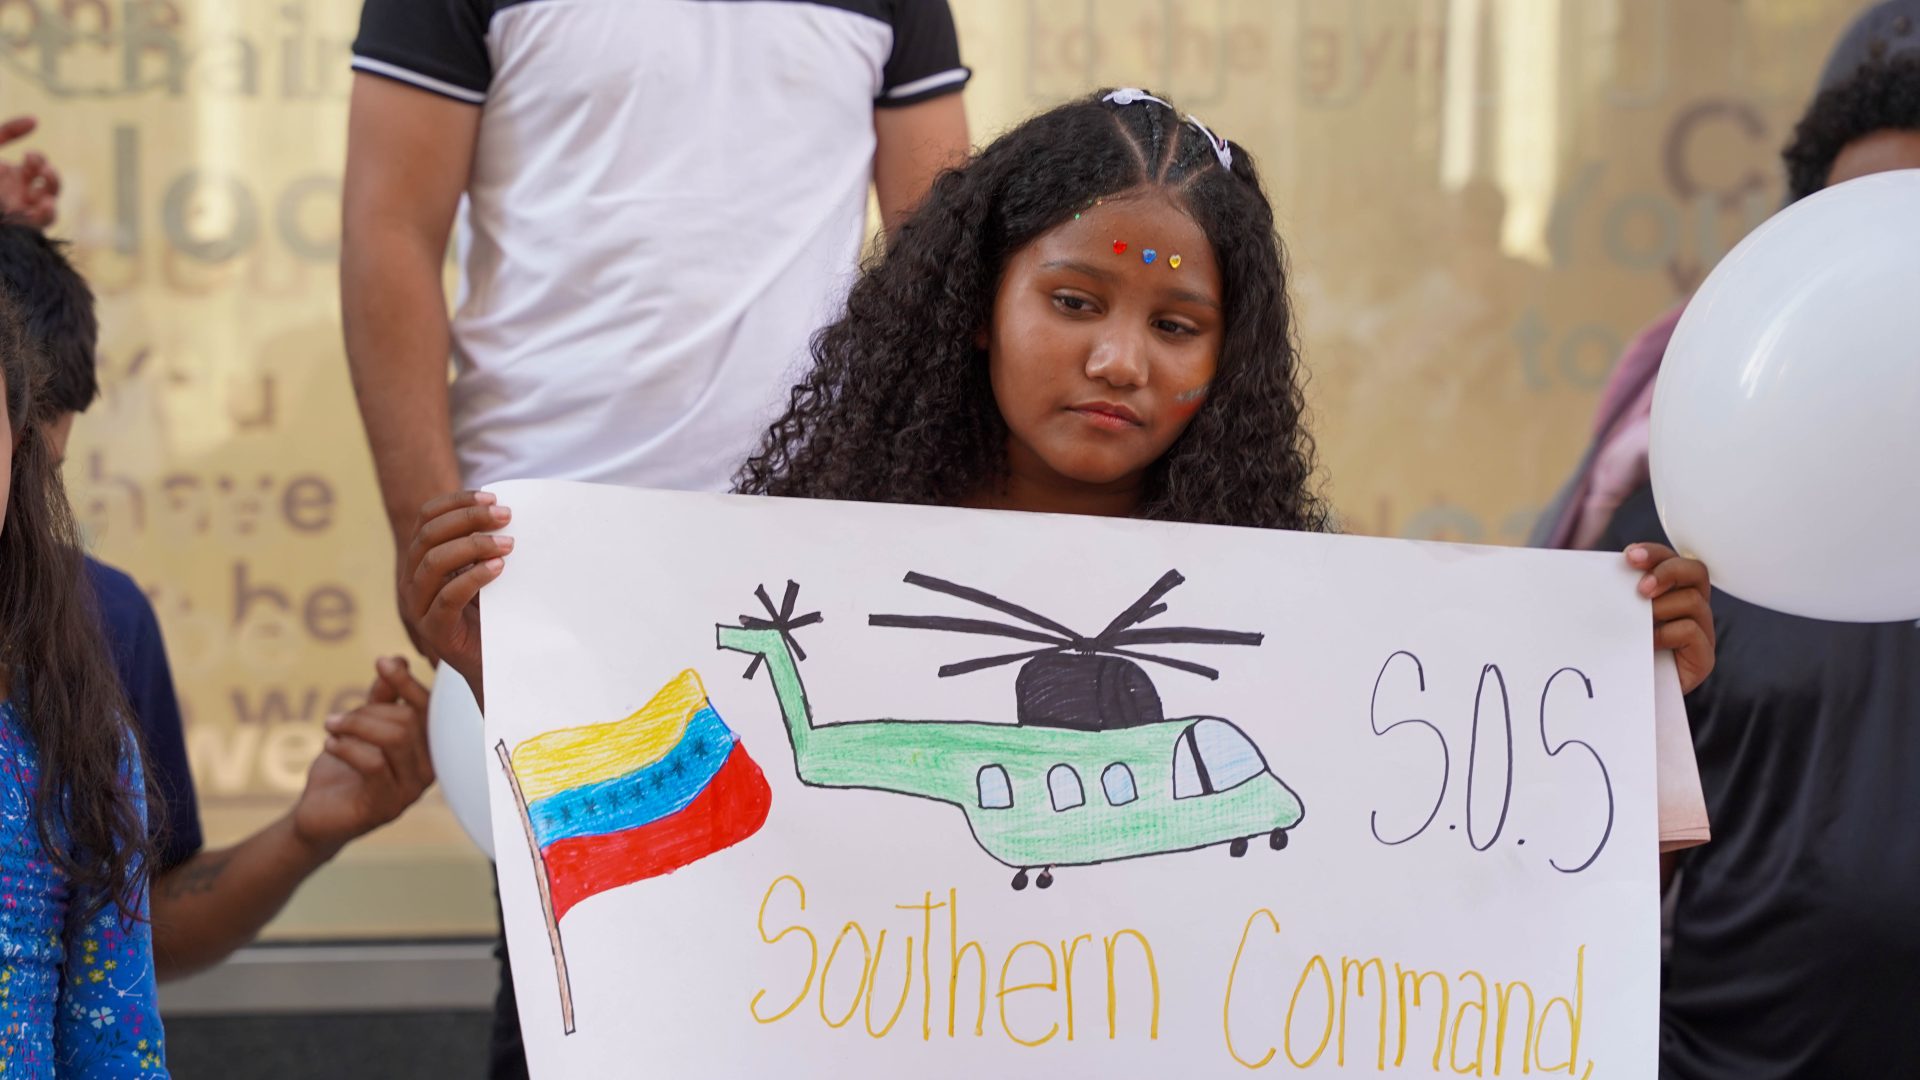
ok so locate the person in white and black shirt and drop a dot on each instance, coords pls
(663, 199)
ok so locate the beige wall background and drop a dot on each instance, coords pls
(1483, 201)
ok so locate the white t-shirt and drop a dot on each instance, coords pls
(668, 198)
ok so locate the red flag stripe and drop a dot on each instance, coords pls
(731, 808)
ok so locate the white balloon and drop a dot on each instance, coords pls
(1786, 420)
(456, 737)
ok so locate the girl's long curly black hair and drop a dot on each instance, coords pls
(898, 407)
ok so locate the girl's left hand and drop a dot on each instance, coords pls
(1682, 616)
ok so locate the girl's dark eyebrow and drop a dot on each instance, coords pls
(1100, 274)
(1077, 267)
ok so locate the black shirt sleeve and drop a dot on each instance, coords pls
(925, 62)
(158, 708)
(437, 45)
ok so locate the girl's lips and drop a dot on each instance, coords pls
(1109, 415)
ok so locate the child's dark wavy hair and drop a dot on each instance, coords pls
(65, 690)
(898, 407)
(1882, 95)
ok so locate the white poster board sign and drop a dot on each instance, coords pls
(1019, 795)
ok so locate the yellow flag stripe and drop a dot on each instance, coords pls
(570, 757)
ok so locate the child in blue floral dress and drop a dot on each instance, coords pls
(76, 992)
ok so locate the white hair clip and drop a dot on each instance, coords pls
(1220, 148)
(1131, 95)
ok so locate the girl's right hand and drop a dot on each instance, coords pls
(454, 555)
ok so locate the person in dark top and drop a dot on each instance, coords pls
(140, 656)
(1795, 933)
(206, 904)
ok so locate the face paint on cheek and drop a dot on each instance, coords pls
(1188, 402)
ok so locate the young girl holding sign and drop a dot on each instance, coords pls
(1090, 317)
(76, 963)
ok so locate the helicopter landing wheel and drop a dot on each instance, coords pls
(1020, 881)
(1045, 880)
(1238, 847)
(1278, 840)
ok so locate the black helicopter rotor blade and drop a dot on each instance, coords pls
(989, 600)
(1187, 666)
(966, 626)
(1143, 608)
(967, 667)
(1184, 635)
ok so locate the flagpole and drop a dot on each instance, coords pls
(546, 890)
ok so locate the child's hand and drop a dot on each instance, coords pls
(375, 764)
(29, 191)
(1682, 616)
(453, 556)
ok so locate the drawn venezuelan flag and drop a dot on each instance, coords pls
(612, 804)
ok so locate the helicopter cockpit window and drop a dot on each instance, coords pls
(995, 792)
(1118, 781)
(1211, 756)
(1064, 785)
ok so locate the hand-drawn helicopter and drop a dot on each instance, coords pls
(1086, 709)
